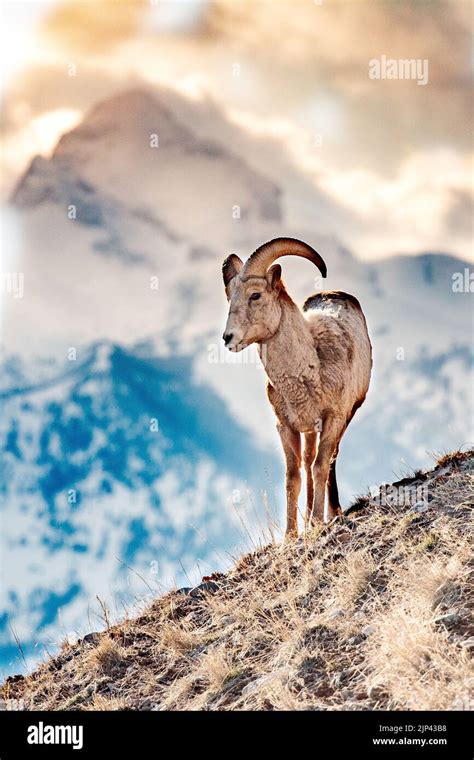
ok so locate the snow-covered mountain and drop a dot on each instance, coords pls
(133, 152)
(120, 473)
(121, 235)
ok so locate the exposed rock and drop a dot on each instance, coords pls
(357, 639)
(208, 587)
(184, 590)
(15, 678)
(336, 614)
(377, 692)
(91, 638)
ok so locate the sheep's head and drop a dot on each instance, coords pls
(255, 311)
(253, 291)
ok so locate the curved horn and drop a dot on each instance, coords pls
(231, 266)
(261, 259)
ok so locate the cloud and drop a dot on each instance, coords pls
(324, 55)
(460, 213)
(48, 87)
(102, 25)
(91, 27)
(315, 74)
(306, 92)
(339, 37)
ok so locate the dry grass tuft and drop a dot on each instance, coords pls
(454, 458)
(177, 637)
(372, 612)
(108, 656)
(352, 585)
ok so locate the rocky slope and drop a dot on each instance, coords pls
(371, 612)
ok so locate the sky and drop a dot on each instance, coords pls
(395, 152)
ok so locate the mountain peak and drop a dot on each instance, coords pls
(135, 96)
(131, 117)
(144, 146)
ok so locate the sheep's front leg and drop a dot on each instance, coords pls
(291, 442)
(329, 438)
(308, 458)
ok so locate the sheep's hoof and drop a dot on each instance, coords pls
(336, 515)
(290, 535)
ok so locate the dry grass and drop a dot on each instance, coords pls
(412, 655)
(354, 582)
(373, 612)
(107, 657)
(100, 703)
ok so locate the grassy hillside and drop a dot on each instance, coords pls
(371, 612)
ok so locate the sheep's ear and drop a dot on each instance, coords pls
(274, 276)
(230, 268)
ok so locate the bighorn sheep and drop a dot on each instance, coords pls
(318, 362)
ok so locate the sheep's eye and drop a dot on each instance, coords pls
(255, 296)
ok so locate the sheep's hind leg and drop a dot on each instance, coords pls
(334, 507)
(291, 442)
(328, 442)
